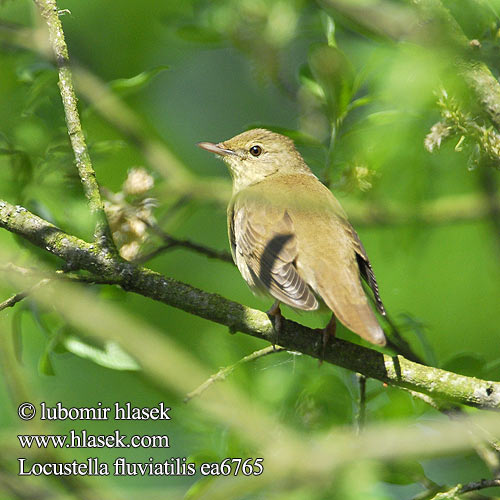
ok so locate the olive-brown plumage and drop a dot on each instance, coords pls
(290, 237)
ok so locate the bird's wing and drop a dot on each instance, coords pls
(328, 250)
(364, 265)
(264, 247)
(334, 274)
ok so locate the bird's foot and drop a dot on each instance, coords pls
(327, 333)
(276, 319)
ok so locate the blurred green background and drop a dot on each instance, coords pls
(207, 71)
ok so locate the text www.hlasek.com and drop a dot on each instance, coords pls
(84, 440)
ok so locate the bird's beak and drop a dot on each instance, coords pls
(218, 149)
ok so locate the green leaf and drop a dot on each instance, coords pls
(112, 356)
(334, 73)
(329, 27)
(45, 366)
(308, 81)
(137, 82)
(362, 101)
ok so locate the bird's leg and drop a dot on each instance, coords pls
(327, 333)
(275, 312)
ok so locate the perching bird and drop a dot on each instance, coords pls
(289, 236)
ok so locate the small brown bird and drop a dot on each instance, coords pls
(289, 236)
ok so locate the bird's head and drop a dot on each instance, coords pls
(256, 154)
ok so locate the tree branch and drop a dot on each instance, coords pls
(396, 370)
(49, 12)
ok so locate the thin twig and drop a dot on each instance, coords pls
(48, 10)
(201, 249)
(223, 373)
(172, 242)
(146, 257)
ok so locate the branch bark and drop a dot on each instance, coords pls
(49, 12)
(396, 371)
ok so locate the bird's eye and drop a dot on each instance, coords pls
(255, 150)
